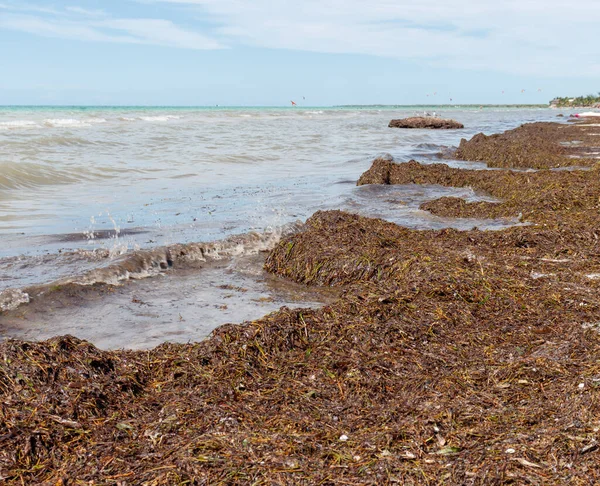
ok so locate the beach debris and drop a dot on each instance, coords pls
(449, 450)
(587, 114)
(592, 446)
(526, 463)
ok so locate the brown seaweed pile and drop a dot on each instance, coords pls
(538, 145)
(451, 357)
(542, 196)
(430, 122)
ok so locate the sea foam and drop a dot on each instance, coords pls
(159, 118)
(65, 122)
(6, 125)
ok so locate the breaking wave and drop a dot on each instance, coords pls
(159, 118)
(7, 125)
(72, 122)
(148, 263)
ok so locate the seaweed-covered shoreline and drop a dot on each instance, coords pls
(450, 358)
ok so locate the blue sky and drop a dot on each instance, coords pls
(266, 52)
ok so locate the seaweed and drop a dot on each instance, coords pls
(538, 145)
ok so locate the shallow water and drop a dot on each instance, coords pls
(82, 188)
(179, 306)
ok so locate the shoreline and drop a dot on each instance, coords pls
(464, 357)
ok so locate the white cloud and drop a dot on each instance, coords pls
(95, 25)
(161, 32)
(525, 37)
(57, 28)
(28, 7)
(85, 11)
(520, 36)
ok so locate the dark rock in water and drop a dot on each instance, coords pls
(425, 122)
(560, 115)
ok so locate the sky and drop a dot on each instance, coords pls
(315, 52)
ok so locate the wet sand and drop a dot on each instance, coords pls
(454, 357)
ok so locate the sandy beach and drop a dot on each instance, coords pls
(448, 357)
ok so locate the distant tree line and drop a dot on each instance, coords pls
(589, 100)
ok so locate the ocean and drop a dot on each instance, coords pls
(177, 207)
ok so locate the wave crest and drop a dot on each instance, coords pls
(148, 263)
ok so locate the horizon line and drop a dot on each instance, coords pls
(448, 105)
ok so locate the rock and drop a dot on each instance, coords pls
(425, 122)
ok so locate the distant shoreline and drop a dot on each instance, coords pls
(298, 107)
